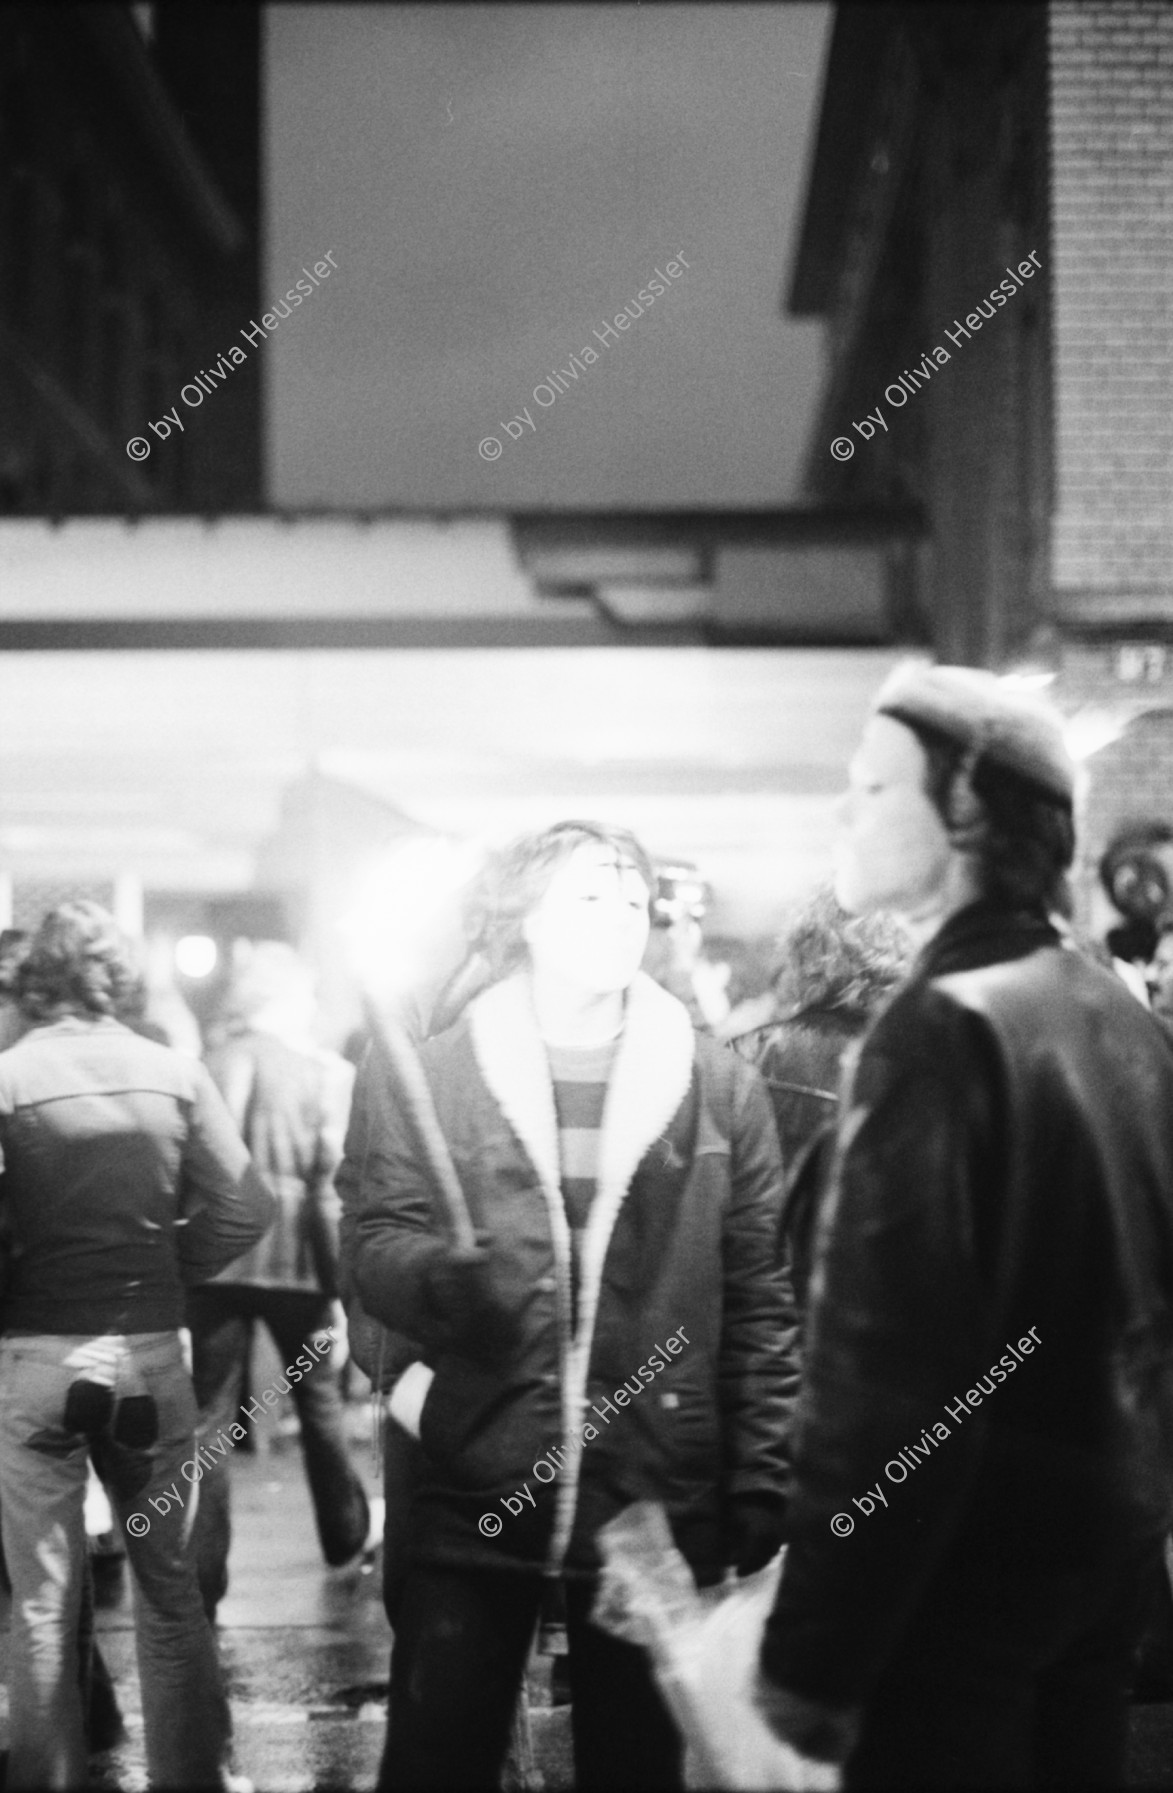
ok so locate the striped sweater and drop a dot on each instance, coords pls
(580, 1075)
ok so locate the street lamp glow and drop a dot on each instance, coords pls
(196, 955)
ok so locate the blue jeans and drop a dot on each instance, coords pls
(130, 1404)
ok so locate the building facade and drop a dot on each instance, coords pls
(987, 236)
(129, 207)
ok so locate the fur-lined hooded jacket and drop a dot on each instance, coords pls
(674, 1379)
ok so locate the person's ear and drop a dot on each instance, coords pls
(965, 813)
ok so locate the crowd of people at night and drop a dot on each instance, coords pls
(874, 1271)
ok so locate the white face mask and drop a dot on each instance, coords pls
(893, 850)
(590, 926)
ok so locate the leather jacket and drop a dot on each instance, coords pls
(123, 1180)
(988, 1363)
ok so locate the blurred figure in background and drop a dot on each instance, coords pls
(1136, 872)
(13, 946)
(834, 972)
(290, 1098)
(676, 955)
(123, 1177)
(1161, 976)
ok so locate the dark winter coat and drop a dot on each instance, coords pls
(800, 1057)
(991, 1343)
(680, 1242)
(382, 1353)
(801, 1062)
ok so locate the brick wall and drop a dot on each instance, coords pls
(1111, 75)
(1111, 71)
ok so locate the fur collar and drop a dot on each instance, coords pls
(648, 1083)
(650, 1079)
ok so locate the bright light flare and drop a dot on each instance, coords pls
(1030, 678)
(196, 955)
(405, 925)
(1093, 728)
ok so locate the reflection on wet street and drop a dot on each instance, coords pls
(305, 1648)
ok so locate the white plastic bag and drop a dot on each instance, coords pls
(704, 1646)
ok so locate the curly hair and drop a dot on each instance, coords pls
(517, 879)
(1024, 839)
(829, 959)
(78, 960)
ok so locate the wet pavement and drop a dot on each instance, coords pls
(306, 1649)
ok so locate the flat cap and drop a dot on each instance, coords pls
(1015, 729)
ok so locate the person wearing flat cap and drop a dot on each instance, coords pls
(983, 1453)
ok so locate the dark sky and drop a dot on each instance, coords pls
(495, 184)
